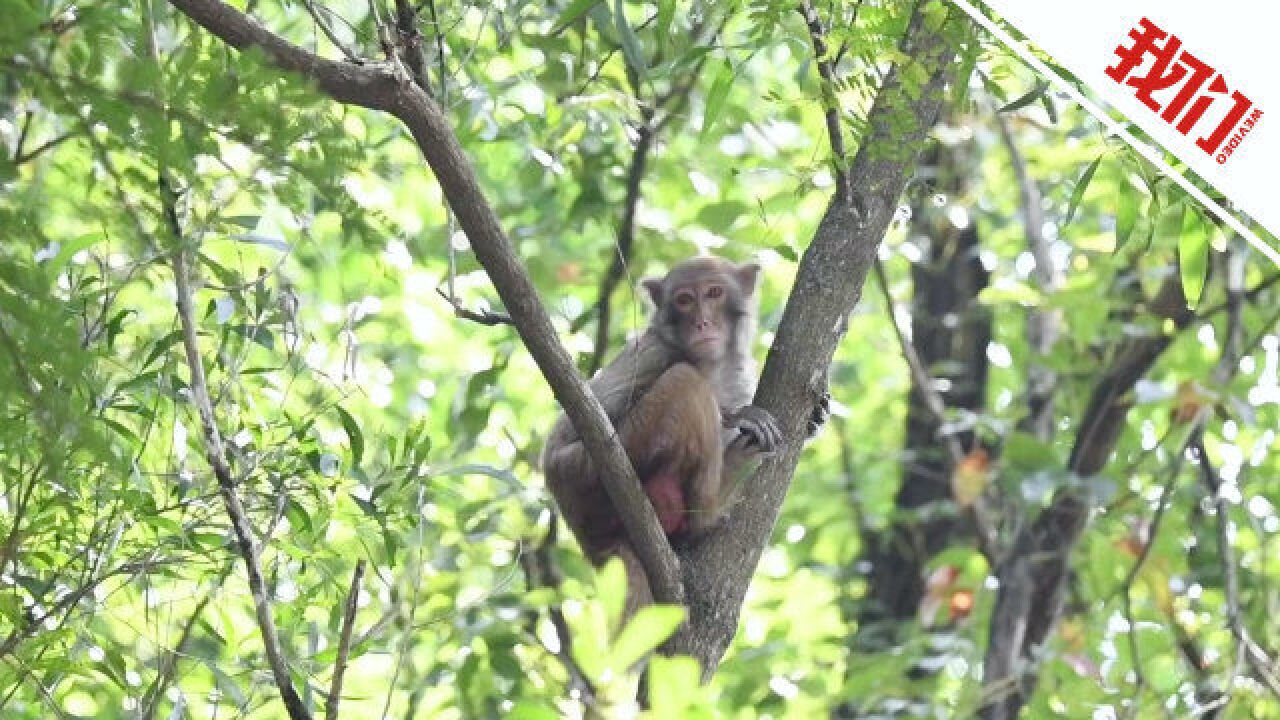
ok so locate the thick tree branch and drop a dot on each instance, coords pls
(411, 43)
(828, 284)
(378, 87)
(372, 86)
(1033, 578)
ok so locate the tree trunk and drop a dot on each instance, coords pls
(828, 285)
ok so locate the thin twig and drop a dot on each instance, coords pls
(484, 317)
(932, 398)
(626, 242)
(344, 642)
(540, 571)
(831, 105)
(1043, 323)
(978, 512)
(314, 9)
(653, 120)
(169, 665)
(1254, 654)
(1153, 532)
(216, 455)
(37, 151)
(438, 32)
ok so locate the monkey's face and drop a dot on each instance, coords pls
(702, 303)
(703, 320)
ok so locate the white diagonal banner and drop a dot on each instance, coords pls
(1200, 79)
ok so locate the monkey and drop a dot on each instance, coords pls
(679, 396)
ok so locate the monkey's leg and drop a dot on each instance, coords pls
(673, 438)
(638, 592)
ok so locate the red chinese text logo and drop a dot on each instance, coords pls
(1193, 86)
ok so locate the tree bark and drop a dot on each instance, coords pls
(828, 284)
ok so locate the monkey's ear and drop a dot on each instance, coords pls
(748, 275)
(653, 286)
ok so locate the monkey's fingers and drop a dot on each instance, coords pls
(760, 427)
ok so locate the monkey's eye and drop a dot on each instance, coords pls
(684, 300)
(715, 291)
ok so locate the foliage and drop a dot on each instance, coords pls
(364, 420)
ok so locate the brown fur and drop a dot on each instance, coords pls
(680, 403)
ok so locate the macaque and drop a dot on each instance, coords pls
(679, 396)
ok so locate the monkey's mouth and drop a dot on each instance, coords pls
(704, 339)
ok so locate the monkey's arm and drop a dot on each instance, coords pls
(752, 434)
(621, 384)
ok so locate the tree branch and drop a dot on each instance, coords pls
(1255, 655)
(484, 317)
(1043, 325)
(169, 665)
(1033, 578)
(411, 43)
(372, 86)
(344, 643)
(378, 87)
(217, 457)
(540, 571)
(26, 156)
(626, 242)
(831, 106)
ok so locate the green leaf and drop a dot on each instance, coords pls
(1077, 193)
(1126, 216)
(248, 222)
(68, 250)
(666, 13)
(1024, 451)
(162, 346)
(673, 683)
(255, 239)
(354, 436)
(716, 96)
(631, 48)
(611, 584)
(299, 519)
(1032, 95)
(575, 10)
(531, 710)
(1049, 107)
(650, 627)
(1193, 259)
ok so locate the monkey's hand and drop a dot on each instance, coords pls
(759, 430)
